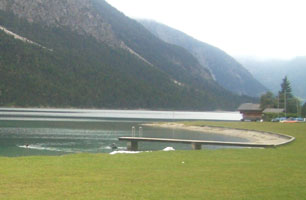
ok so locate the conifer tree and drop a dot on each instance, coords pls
(286, 98)
(286, 88)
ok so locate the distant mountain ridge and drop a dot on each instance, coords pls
(100, 58)
(271, 72)
(226, 70)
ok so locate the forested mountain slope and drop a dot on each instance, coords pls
(226, 70)
(91, 55)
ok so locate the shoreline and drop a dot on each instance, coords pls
(120, 114)
(256, 137)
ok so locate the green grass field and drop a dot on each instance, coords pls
(274, 173)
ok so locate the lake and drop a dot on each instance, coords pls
(26, 132)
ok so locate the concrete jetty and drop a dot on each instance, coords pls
(132, 142)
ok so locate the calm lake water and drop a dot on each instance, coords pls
(25, 132)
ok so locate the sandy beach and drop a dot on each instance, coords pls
(252, 136)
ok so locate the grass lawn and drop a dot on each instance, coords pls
(274, 173)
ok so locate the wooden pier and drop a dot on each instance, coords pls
(132, 142)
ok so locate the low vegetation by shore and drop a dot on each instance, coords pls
(277, 173)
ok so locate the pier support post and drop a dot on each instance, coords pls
(132, 145)
(196, 146)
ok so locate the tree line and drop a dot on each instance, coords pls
(284, 99)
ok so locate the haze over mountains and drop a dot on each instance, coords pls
(85, 53)
(271, 72)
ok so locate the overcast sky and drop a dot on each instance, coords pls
(258, 28)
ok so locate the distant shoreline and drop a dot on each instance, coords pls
(120, 114)
(252, 136)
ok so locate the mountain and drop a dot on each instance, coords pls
(85, 53)
(271, 73)
(226, 70)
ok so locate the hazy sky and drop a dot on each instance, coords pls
(259, 28)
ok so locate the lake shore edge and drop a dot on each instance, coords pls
(256, 137)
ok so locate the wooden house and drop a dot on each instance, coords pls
(250, 112)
